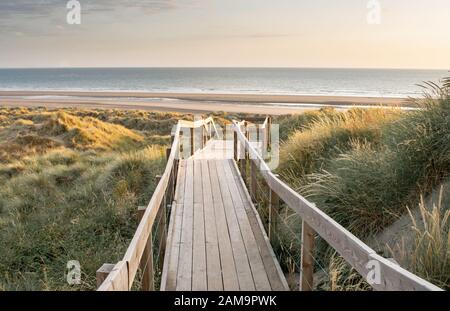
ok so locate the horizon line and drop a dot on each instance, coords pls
(225, 67)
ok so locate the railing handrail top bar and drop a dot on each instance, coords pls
(319, 217)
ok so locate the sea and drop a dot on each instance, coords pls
(272, 81)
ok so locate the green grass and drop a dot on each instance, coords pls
(340, 276)
(72, 180)
(294, 123)
(366, 187)
(311, 148)
(72, 199)
(364, 168)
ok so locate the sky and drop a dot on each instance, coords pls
(226, 33)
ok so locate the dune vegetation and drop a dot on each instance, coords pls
(72, 180)
(366, 168)
(71, 184)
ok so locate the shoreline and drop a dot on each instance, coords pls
(219, 97)
(191, 102)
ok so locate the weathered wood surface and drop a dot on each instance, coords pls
(103, 272)
(307, 258)
(222, 246)
(216, 240)
(220, 150)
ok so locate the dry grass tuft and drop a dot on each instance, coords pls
(88, 132)
(429, 254)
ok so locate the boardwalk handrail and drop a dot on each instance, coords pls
(360, 256)
(122, 274)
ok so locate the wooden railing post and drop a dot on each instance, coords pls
(235, 146)
(161, 227)
(173, 173)
(168, 151)
(169, 191)
(307, 258)
(243, 161)
(274, 206)
(103, 272)
(202, 133)
(269, 133)
(265, 139)
(192, 141)
(247, 136)
(257, 133)
(224, 132)
(172, 182)
(180, 155)
(205, 135)
(253, 172)
(146, 263)
(254, 169)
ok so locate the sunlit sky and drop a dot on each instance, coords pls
(225, 33)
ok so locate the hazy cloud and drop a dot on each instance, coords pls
(43, 7)
(18, 15)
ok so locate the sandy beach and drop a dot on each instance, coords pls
(190, 103)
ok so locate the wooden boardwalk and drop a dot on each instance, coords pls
(216, 240)
(220, 150)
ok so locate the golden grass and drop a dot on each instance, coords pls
(363, 167)
(429, 254)
(39, 132)
(88, 132)
(71, 182)
(329, 135)
(342, 277)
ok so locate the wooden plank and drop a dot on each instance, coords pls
(162, 231)
(273, 269)
(395, 278)
(213, 268)
(184, 275)
(148, 277)
(171, 279)
(253, 182)
(229, 272)
(192, 141)
(239, 251)
(146, 263)
(235, 146)
(307, 258)
(167, 255)
(259, 274)
(103, 272)
(274, 208)
(199, 281)
(117, 279)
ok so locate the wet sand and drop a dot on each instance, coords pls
(190, 103)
